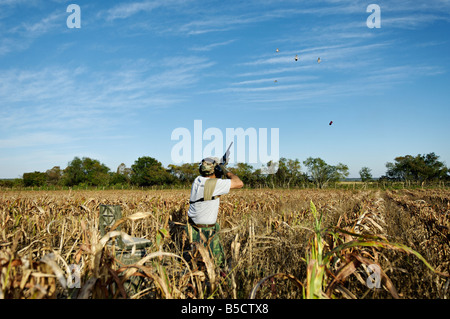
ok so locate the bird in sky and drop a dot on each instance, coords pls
(296, 57)
(318, 60)
(331, 122)
(275, 81)
(277, 50)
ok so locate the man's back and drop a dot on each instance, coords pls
(205, 211)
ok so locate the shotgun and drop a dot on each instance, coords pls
(220, 169)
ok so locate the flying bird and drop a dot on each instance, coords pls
(277, 50)
(331, 122)
(275, 81)
(318, 60)
(296, 57)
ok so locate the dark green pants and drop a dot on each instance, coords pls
(211, 240)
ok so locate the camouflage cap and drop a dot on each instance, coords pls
(207, 165)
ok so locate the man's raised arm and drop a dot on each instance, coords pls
(235, 181)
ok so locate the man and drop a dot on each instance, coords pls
(204, 202)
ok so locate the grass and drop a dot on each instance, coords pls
(278, 244)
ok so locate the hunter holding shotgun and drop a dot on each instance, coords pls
(204, 202)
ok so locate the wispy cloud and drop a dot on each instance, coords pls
(17, 2)
(318, 89)
(127, 10)
(123, 11)
(285, 79)
(412, 21)
(307, 57)
(403, 73)
(42, 85)
(351, 62)
(34, 139)
(57, 97)
(21, 36)
(211, 46)
(8, 45)
(225, 22)
(225, 18)
(44, 25)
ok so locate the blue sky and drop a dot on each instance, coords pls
(116, 88)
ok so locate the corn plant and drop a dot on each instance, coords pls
(314, 259)
(320, 262)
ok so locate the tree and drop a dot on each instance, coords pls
(258, 178)
(73, 174)
(95, 172)
(34, 179)
(366, 174)
(147, 171)
(288, 172)
(8, 183)
(54, 175)
(420, 168)
(321, 173)
(86, 170)
(122, 176)
(294, 173)
(185, 173)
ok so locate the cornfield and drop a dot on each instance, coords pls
(286, 244)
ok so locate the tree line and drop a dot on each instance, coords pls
(147, 171)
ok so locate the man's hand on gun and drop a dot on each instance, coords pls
(221, 168)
